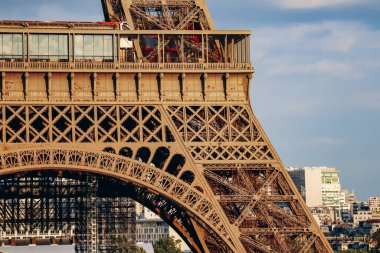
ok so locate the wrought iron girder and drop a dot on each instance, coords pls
(248, 198)
(270, 231)
(111, 10)
(253, 202)
(257, 245)
(173, 215)
(308, 244)
(270, 222)
(287, 217)
(220, 180)
(151, 19)
(189, 17)
(167, 15)
(257, 198)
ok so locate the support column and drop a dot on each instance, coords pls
(161, 87)
(94, 91)
(246, 92)
(183, 80)
(138, 90)
(71, 85)
(204, 83)
(25, 91)
(3, 75)
(117, 86)
(48, 92)
(227, 88)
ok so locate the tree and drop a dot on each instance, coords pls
(123, 245)
(376, 237)
(167, 245)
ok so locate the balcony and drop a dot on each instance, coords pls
(31, 50)
(16, 66)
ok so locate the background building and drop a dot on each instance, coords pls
(350, 203)
(150, 228)
(320, 186)
(150, 231)
(309, 184)
(371, 226)
(362, 216)
(374, 204)
(331, 195)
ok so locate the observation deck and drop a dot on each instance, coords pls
(106, 61)
(105, 46)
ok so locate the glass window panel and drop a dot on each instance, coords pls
(78, 43)
(33, 45)
(89, 45)
(53, 45)
(7, 44)
(63, 46)
(44, 45)
(17, 45)
(98, 45)
(108, 48)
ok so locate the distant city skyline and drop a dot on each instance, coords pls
(316, 88)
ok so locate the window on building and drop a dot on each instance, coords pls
(52, 47)
(93, 47)
(11, 46)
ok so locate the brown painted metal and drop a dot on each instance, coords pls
(230, 193)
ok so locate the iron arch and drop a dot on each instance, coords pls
(151, 181)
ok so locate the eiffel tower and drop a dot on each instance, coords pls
(158, 99)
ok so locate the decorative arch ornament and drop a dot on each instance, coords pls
(153, 179)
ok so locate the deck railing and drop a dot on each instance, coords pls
(123, 66)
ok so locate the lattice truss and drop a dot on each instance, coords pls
(205, 169)
(135, 132)
(157, 14)
(82, 124)
(167, 15)
(246, 177)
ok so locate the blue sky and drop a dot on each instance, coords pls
(316, 89)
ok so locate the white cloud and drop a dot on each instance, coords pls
(310, 4)
(341, 50)
(315, 68)
(339, 37)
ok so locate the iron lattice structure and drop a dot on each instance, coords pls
(165, 110)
